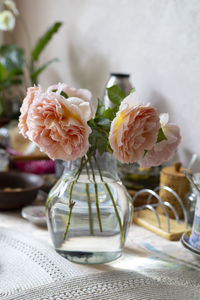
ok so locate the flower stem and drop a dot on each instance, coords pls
(71, 205)
(48, 200)
(96, 197)
(113, 201)
(89, 203)
(98, 167)
(89, 209)
(70, 202)
(87, 170)
(117, 213)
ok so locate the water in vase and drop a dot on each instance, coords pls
(85, 241)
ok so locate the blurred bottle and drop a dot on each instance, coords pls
(122, 80)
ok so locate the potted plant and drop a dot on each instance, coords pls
(19, 68)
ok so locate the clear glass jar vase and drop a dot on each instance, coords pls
(89, 211)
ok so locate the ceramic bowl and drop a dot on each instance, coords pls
(18, 189)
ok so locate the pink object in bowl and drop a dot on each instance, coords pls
(34, 166)
(37, 166)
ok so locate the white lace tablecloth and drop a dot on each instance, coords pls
(150, 268)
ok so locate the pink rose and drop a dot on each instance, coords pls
(56, 124)
(165, 149)
(31, 92)
(134, 129)
(83, 94)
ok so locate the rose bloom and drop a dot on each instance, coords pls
(83, 94)
(134, 129)
(56, 124)
(31, 93)
(165, 149)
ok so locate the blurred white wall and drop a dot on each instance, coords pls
(156, 41)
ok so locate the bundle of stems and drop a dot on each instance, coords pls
(87, 163)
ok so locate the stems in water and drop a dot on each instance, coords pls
(116, 211)
(96, 197)
(89, 209)
(70, 202)
(71, 205)
(48, 200)
(89, 202)
(98, 167)
(113, 201)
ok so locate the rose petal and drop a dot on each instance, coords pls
(56, 124)
(133, 130)
(164, 150)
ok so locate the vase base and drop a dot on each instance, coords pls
(89, 257)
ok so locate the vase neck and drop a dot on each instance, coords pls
(101, 166)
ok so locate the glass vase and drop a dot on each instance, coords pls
(89, 213)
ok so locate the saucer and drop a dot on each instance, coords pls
(185, 242)
(35, 214)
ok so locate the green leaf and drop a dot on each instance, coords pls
(100, 108)
(2, 73)
(2, 106)
(161, 136)
(98, 140)
(116, 94)
(110, 113)
(12, 57)
(16, 81)
(15, 72)
(145, 153)
(44, 40)
(105, 123)
(92, 123)
(36, 73)
(6, 84)
(64, 95)
(133, 90)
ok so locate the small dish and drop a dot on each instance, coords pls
(18, 189)
(185, 242)
(35, 214)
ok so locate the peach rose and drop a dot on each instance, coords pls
(56, 124)
(134, 129)
(83, 94)
(165, 149)
(31, 93)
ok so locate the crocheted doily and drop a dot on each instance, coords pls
(26, 263)
(111, 286)
(32, 270)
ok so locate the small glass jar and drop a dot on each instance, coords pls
(136, 178)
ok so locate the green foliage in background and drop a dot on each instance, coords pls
(12, 65)
(35, 71)
(16, 65)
